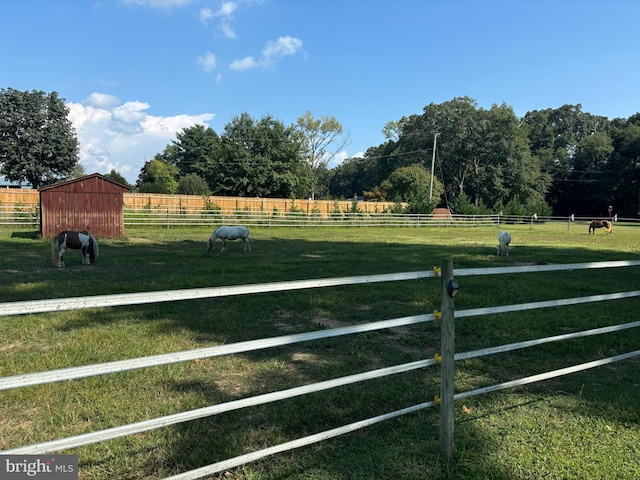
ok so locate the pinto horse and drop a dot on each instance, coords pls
(225, 233)
(606, 224)
(77, 241)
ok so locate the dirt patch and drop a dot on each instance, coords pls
(139, 240)
(286, 327)
(399, 337)
(11, 345)
(307, 358)
(329, 322)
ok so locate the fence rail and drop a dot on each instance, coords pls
(447, 361)
(24, 214)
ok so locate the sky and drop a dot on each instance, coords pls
(133, 73)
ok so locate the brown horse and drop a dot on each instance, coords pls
(75, 240)
(606, 224)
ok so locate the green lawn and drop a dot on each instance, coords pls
(583, 426)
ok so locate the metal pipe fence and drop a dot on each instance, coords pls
(28, 215)
(446, 360)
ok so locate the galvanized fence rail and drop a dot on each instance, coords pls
(28, 215)
(447, 359)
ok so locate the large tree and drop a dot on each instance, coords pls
(482, 155)
(192, 149)
(322, 139)
(37, 141)
(356, 176)
(158, 176)
(117, 177)
(573, 147)
(259, 158)
(412, 185)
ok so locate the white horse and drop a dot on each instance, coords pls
(504, 239)
(225, 233)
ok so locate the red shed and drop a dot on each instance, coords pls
(94, 203)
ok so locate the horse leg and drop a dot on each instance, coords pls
(247, 246)
(61, 256)
(224, 245)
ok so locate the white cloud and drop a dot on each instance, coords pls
(244, 64)
(101, 100)
(122, 136)
(206, 15)
(274, 51)
(225, 17)
(227, 30)
(166, 4)
(207, 61)
(227, 9)
(282, 47)
(128, 117)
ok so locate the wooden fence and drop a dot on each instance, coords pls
(446, 359)
(184, 210)
(175, 204)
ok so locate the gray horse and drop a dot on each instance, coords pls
(225, 233)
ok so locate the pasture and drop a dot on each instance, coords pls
(583, 426)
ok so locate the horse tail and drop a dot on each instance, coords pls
(55, 250)
(93, 254)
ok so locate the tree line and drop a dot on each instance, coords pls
(559, 161)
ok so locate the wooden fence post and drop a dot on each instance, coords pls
(447, 345)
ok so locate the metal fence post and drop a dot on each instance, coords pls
(447, 345)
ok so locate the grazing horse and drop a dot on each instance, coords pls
(504, 239)
(606, 224)
(75, 240)
(225, 233)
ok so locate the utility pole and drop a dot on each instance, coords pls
(433, 162)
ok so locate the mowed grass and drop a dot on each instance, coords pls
(582, 426)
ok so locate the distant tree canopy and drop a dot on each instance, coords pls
(37, 142)
(193, 184)
(158, 176)
(561, 161)
(481, 154)
(116, 177)
(257, 158)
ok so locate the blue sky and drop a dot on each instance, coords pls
(135, 72)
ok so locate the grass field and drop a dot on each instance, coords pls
(583, 426)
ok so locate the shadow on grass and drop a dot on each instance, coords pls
(30, 235)
(402, 448)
